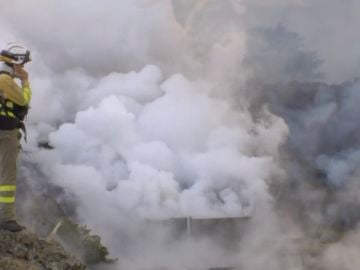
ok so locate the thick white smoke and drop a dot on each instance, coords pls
(148, 108)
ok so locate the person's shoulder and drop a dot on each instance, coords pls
(4, 77)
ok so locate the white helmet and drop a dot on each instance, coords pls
(16, 54)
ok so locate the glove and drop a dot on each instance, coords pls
(20, 73)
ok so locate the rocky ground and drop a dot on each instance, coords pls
(25, 251)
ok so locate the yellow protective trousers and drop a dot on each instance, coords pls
(9, 151)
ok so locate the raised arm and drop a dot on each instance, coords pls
(10, 90)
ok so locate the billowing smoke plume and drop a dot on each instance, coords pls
(161, 110)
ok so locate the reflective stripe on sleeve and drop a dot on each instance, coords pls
(26, 94)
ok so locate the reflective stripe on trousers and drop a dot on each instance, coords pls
(7, 193)
(9, 150)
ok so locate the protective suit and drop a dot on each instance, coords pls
(14, 101)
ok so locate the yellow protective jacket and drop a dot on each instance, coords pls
(13, 99)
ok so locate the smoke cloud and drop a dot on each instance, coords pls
(199, 110)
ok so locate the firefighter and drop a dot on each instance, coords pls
(14, 102)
